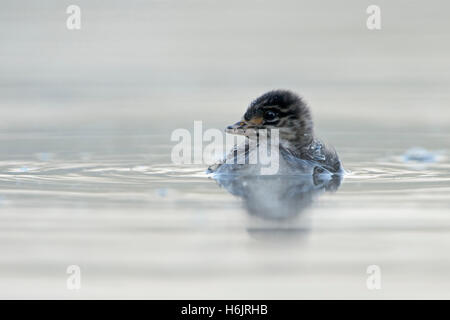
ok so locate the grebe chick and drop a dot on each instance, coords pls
(300, 151)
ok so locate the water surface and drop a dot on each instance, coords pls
(85, 171)
(142, 227)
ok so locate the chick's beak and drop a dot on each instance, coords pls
(243, 126)
(238, 125)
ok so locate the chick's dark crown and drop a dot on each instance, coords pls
(281, 109)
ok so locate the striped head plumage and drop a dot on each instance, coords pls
(279, 109)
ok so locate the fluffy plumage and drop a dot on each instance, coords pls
(300, 150)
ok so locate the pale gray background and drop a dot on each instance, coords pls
(85, 170)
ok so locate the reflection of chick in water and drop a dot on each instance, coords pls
(307, 166)
(278, 197)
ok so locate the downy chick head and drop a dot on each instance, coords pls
(278, 109)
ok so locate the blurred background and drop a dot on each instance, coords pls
(86, 177)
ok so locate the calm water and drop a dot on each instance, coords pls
(86, 177)
(141, 227)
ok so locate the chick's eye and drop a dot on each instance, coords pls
(269, 115)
